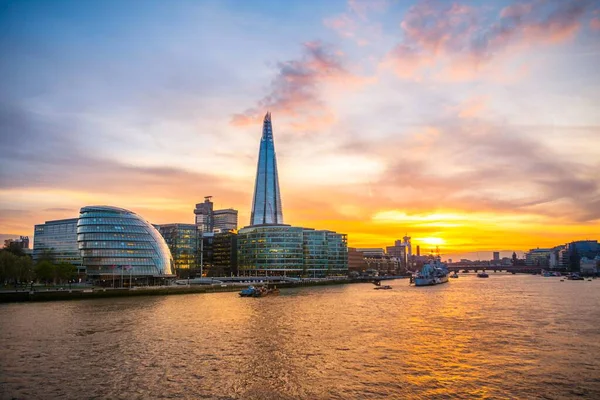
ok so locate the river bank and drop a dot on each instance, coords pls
(98, 293)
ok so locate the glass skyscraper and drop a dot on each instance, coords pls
(266, 204)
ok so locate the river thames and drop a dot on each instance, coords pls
(508, 336)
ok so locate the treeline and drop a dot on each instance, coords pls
(18, 268)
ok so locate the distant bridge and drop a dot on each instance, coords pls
(515, 269)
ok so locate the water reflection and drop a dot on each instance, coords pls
(507, 337)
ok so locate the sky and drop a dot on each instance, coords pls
(470, 125)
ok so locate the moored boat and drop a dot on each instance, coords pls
(454, 275)
(432, 273)
(386, 287)
(482, 274)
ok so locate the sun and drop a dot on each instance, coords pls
(431, 240)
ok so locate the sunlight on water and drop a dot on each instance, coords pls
(503, 337)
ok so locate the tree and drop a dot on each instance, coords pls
(14, 248)
(8, 266)
(24, 269)
(65, 271)
(45, 271)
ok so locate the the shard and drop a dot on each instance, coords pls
(266, 204)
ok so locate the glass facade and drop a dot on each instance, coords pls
(266, 203)
(58, 241)
(114, 241)
(182, 240)
(295, 251)
(270, 249)
(224, 247)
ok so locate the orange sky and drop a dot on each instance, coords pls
(470, 127)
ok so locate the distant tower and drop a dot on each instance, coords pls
(266, 204)
(204, 215)
(418, 251)
(407, 244)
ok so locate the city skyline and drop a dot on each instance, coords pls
(473, 127)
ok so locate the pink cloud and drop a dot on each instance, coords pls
(453, 41)
(355, 22)
(295, 91)
(595, 24)
(473, 107)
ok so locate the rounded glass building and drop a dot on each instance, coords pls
(116, 242)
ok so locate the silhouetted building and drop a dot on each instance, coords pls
(496, 256)
(538, 257)
(204, 215)
(224, 254)
(21, 243)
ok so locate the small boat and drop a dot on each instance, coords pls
(386, 287)
(252, 291)
(482, 275)
(248, 292)
(575, 277)
(454, 275)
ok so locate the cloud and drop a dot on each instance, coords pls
(356, 23)
(595, 24)
(449, 41)
(296, 90)
(492, 167)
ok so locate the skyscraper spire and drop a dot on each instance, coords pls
(266, 204)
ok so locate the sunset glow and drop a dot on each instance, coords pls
(471, 126)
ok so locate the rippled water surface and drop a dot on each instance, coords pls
(503, 337)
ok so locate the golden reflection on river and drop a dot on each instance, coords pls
(502, 337)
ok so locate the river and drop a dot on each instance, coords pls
(509, 336)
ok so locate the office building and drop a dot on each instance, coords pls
(289, 250)
(225, 220)
(356, 261)
(266, 203)
(224, 254)
(204, 215)
(496, 256)
(269, 247)
(57, 241)
(371, 251)
(116, 242)
(208, 219)
(538, 257)
(182, 240)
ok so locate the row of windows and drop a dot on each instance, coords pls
(96, 214)
(111, 229)
(115, 245)
(134, 270)
(141, 237)
(117, 261)
(110, 221)
(118, 253)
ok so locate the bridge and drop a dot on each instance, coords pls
(515, 269)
